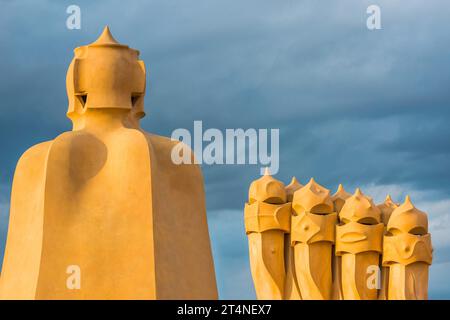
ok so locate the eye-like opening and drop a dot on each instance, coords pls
(82, 97)
(418, 231)
(368, 221)
(135, 98)
(321, 209)
(393, 232)
(274, 200)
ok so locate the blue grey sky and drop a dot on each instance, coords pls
(354, 106)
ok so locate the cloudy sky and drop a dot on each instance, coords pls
(353, 106)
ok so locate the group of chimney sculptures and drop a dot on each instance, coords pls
(305, 243)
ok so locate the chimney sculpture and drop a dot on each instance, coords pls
(338, 201)
(407, 253)
(312, 237)
(267, 219)
(386, 209)
(291, 288)
(104, 204)
(359, 243)
(307, 268)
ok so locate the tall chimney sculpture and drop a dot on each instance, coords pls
(359, 243)
(380, 252)
(267, 219)
(338, 201)
(386, 208)
(291, 288)
(407, 253)
(104, 203)
(312, 237)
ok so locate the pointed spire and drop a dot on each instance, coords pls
(267, 171)
(105, 38)
(340, 194)
(315, 187)
(386, 208)
(389, 202)
(291, 188)
(358, 192)
(407, 204)
(339, 198)
(408, 200)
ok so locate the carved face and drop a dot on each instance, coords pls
(360, 229)
(407, 239)
(408, 219)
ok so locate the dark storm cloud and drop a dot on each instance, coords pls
(352, 105)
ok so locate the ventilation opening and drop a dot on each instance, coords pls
(418, 231)
(321, 209)
(135, 98)
(82, 98)
(274, 200)
(393, 232)
(368, 221)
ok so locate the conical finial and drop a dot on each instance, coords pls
(312, 181)
(408, 200)
(387, 207)
(294, 184)
(106, 38)
(267, 171)
(358, 192)
(340, 195)
(291, 188)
